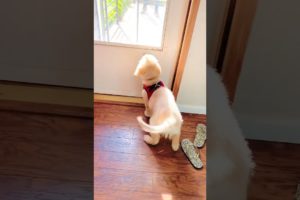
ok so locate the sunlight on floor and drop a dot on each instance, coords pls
(167, 196)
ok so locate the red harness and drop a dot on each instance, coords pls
(150, 89)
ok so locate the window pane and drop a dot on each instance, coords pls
(138, 22)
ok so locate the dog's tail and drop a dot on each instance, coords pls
(156, 128)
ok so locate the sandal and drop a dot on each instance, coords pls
(190, 151)
(200, 136)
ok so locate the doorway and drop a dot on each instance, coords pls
(123, 33)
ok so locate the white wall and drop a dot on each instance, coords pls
(192, 92)
(267, 98)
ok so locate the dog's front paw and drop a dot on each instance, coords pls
(175, 146)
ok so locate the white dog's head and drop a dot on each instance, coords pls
(148, 69)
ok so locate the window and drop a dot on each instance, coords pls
(134, 22)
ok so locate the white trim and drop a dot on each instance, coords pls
(126, 93)
(192, 109)
(270, 128)
(133, 46)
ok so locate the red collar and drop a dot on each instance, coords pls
(150, 89)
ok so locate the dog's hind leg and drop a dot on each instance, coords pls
(175, 142)
(153, 139)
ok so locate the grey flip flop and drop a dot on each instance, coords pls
(190, 151)
(200, 135)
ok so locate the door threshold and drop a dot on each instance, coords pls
(116, 99)
(46, 99)
(46, 94)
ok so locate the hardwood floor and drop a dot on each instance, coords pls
(277, 171)
(127, 168)
(45, 156)
(48, 156)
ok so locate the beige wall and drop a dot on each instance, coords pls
(192, 92)
(270, 75)
(47, 42)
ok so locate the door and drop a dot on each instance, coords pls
(51, 42)
(138, 27)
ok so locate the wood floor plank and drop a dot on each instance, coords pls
(137, 146)
(28, 188)
(113, 130)
(37, 143)
(40, 127)
(277, 170)
(45, 156)
(173, 183)
(125, 195)
(141, 162)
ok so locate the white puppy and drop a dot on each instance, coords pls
(165, 117)
(229, 159)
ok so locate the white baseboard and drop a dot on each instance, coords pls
(192, 109)
(270, 128)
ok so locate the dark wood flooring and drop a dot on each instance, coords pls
(127, 168)
(277, 171)
(45, 157)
